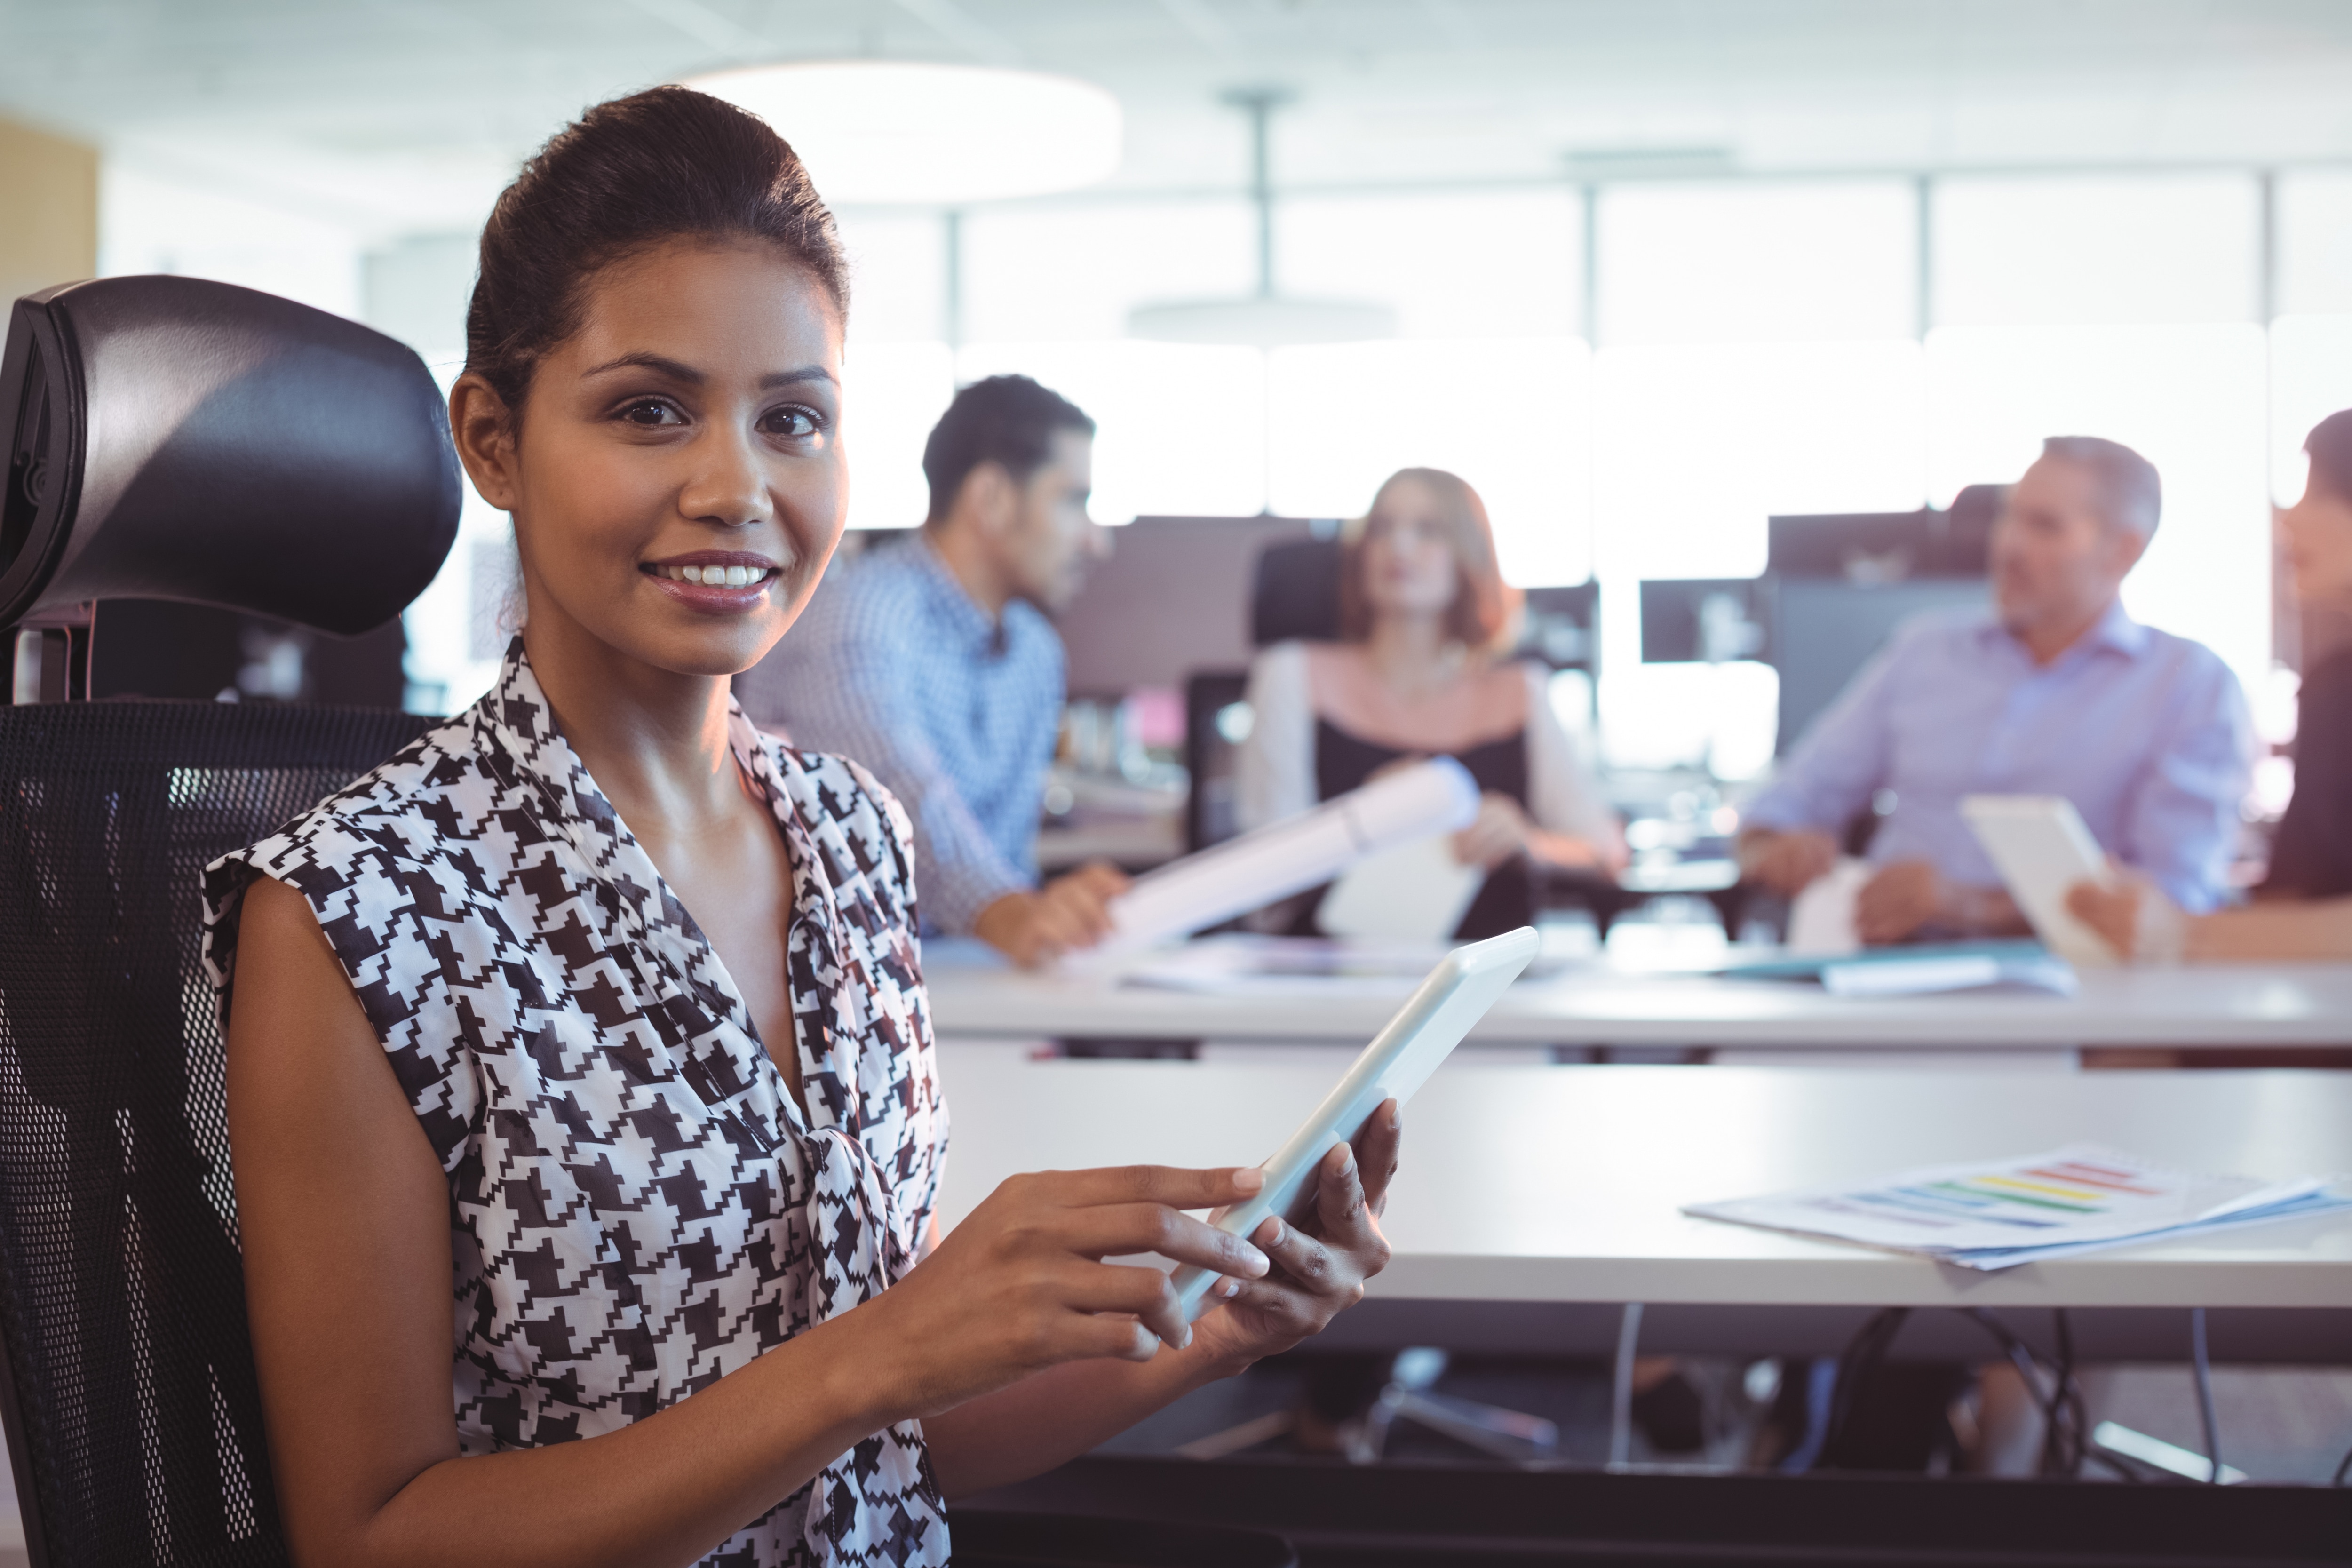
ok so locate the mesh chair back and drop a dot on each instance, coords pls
(131, 1413)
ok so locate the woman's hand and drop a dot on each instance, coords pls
(1021, 1284)
(1319, 1268)
(2132, 915)
(1501, 832)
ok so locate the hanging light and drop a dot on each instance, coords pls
(890, 131)
(1267, 319)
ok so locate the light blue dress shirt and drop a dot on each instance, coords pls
(2145, 732)
(894, 665)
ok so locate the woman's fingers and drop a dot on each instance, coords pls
(1309, 1263)
(1340, 1199)
(2113, 913)
(1377, 1147)
(1174, 1185)
(1144, 1292)
(1113, 1230)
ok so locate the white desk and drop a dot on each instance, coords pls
(2216, 1005)
(1562, 1185)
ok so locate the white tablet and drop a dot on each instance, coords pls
(2042, 848)
(1465, 982)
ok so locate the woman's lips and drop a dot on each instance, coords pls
(714, 589)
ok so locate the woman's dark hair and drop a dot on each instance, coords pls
(1008, 420)
(1481, 612)
(2330, 447)
(630, 175)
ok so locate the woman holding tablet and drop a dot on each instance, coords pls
(582, 1087)
(2304, 909)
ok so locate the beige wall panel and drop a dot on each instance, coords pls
(48, 189)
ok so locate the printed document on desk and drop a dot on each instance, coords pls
(1995, 1213)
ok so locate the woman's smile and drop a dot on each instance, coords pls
(716, 582)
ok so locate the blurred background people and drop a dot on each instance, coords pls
(1422, 611)
(932, 662)
(2057, 691)
(2303, 907)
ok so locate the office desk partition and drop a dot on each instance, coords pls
(1534, 1201)
(2260, 1006)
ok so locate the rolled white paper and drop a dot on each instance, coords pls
(1292, 855)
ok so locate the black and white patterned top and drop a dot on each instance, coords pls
(638, 1206)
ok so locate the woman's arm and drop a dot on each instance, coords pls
(344, 1214)
(2282, 928)
(1574, 825)
(1273, 770)
(2133, 916)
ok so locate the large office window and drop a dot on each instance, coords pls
(2069, 251)
(892, 393)
(1758, 262)
(898, 276)
(1061, 274)
(1759, 353)
(1758, 357)
(2315, 234)
(2311, 378)
(1694, 447)
(1181, 427)
(1480, 264)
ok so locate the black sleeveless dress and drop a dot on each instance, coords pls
(1343, 762)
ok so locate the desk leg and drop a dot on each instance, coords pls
(1621, 1392)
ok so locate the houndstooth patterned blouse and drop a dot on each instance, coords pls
(637, 1204)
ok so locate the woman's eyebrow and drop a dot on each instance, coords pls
(659, 363)
(675, 370)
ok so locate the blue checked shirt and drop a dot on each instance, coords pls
(894, 666)
(2145, 732)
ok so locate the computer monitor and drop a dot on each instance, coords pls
(1174, 597)
(1706, 620)
(1886, 546)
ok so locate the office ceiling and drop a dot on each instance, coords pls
(404, 116)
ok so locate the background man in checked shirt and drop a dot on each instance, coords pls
(930, 660)
(2053, 691)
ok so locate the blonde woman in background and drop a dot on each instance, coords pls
(1422, 611)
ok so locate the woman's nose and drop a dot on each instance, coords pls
(728, 486)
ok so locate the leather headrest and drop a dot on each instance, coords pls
(179, 438)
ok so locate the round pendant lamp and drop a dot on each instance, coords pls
(906, 131)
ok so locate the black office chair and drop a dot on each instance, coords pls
(171, 438)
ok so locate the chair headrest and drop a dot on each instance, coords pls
(179, 438)
(1295, 592)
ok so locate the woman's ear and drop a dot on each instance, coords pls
(483, 428)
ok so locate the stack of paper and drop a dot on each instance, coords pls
(1997, 1214)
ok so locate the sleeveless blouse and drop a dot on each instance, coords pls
(1506, 899)
(638, 1206)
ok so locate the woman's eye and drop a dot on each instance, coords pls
(651, 411)
(799, 423)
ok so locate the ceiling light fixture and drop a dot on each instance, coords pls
(891, 132)
(1267, 319)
